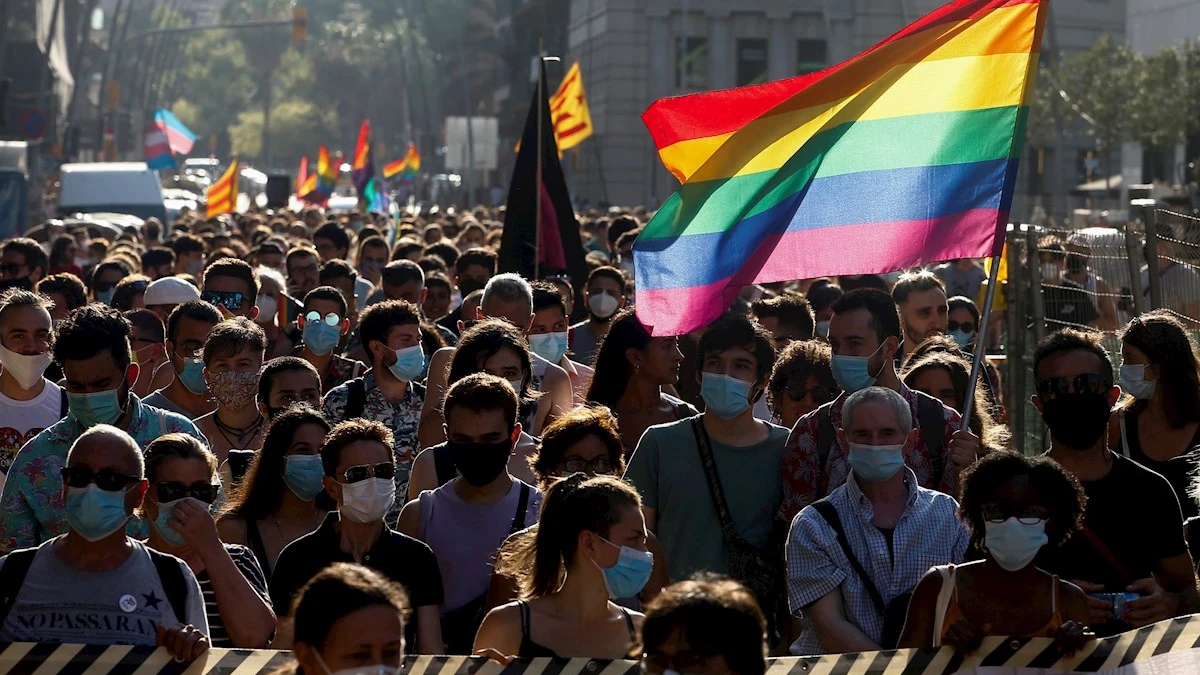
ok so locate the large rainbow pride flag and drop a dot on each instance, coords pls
(903, 155)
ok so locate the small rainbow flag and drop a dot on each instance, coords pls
(363, 168)
(319, 186)
(406, 167)
(903, 155)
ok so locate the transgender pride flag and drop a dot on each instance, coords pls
(166, 136)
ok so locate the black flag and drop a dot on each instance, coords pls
(560, 250)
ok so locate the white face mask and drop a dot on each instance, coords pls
(376, 669)
(268, 307)
(367, 500)
(603, 305)
(26, 370)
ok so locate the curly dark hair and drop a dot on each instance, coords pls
(796, 362)
(1060, 491)
(567, 430)
(717, 617)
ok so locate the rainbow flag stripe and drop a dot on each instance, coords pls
(903, 155)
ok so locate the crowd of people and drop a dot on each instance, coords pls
(355, 438)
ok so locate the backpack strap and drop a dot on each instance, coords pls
(826, 436)
(64, 404)
(170, 574)
(443, 464)
(931, 415)
(827, 511)
(518, 522)
(356, 398)
(12, 577)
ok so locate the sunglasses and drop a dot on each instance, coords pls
(172, 490)
(105, 479)
(820, 395)
(598, 465)
(231, 300)
(361, 472)
(1029, 515)
(331, 319)
(965, 326)
(1087, 383)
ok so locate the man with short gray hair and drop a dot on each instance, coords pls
(854, 557)
(95, 584)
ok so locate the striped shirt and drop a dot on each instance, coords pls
(248, 564)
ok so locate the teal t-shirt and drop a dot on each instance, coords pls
(666, 470)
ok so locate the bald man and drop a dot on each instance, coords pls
(116, 590)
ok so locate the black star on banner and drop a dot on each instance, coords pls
(152, 601)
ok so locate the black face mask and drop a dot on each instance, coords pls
(480, 463)
(1077, 420)
(467, 286)
(1076, 264)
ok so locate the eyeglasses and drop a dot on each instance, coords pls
(1087, 383)
(1028, 515)
(598, 465)
(820, 395)
(172, 490)
(105, 479)
(227, 299)
(331, 319)
(361, 472)
(967, 327)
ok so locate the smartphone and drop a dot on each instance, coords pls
(231, 300)
(1118, 601)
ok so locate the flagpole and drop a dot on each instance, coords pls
(537, 189)
(981, 339)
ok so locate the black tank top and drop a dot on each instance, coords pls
(532, 650)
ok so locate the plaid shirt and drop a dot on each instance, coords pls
(927, 534)
(805, 480)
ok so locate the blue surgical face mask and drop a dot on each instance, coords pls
(192, 376)
(1134, 382)
(410, 361)
(876, 463)
(549, 346)
(823, 328)
(726, 396)
(629, 576)
(164, 529)
(106, 296)
(93, 513)
(962, 338)
(320, 337)
(853, 373)
(303, 474)
(101, 407)
(1013, 544)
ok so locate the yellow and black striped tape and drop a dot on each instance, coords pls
(1176, 635)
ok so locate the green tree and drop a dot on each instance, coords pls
(294, 126)
(1100, 83)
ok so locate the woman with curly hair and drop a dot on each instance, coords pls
(1013, 506)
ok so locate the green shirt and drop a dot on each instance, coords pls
(666, 470)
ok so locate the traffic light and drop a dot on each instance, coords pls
(299, 24)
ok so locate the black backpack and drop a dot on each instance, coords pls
(17, 563)
(356, 398)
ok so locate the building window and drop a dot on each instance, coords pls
(751, 61)
(811, 55)
(691, 72)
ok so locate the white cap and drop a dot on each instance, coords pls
(170, 291)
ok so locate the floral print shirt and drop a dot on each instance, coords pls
(32, 509)
(402, 417)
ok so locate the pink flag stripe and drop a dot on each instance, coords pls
(865, 248)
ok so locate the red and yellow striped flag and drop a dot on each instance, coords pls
(222, 195)
(569, 111)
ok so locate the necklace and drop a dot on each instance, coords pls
(241, 433)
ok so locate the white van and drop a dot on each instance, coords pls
(111, 187)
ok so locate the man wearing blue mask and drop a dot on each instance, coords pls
(709, 483)
(114, 589)
(864, 333)
(92, 346)
(854, 557)
(549, 338)
(323, 323)
(187, 330)
(390, 393)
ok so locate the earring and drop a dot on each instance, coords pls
(637, 368)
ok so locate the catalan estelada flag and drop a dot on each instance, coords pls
(903, 155)
(222, 195)
(569, 111)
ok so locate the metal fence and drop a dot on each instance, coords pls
(1093, 279)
